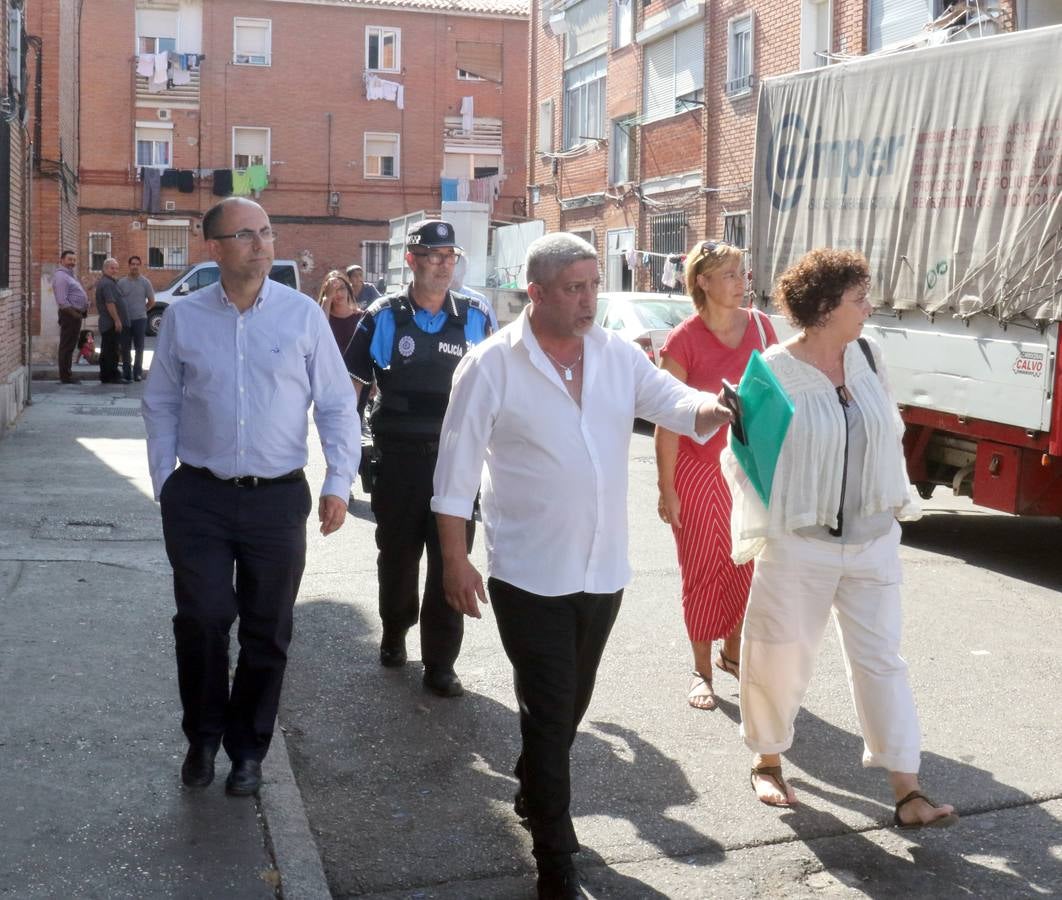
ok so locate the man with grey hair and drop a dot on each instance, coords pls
(548, 403)
(113, 319)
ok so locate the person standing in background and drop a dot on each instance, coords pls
(113, 321)
(139, 297)
(364, 293)
(72, 303)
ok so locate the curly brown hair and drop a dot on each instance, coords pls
(810, 289)
(705, 257)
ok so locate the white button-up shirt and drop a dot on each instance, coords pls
(554, 483)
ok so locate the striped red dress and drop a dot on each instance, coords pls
(714, 590)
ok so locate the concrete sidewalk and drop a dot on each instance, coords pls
(90, 737)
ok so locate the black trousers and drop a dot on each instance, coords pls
(137, 333)
(405, 528)
(235, 551)
(70, 321)
(554, 645)
(109, 350)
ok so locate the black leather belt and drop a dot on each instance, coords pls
(247, 480)
(405, 445)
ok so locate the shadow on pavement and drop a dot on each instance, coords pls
(406, 791)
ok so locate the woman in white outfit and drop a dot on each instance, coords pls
(828, 539)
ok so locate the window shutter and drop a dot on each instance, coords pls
(545, 126)
(894, 20)
(156, 23)
(482, 60)
(251, 40)
(659, 78)
(587, 27)
(689, 60)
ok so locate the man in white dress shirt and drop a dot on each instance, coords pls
(548, 403)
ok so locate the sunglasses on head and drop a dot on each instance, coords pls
(708, 246)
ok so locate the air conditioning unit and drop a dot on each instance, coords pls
(163, 114)
(136, 225)
(169, 205)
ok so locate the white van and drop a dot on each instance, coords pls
(197, 276)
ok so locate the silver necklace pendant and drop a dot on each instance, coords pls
(567, 374)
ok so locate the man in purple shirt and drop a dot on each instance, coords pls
(72, 301)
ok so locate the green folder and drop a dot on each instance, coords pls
(763, 420)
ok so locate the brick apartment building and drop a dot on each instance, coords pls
(355, 112)
(14, 210)
(643, 114)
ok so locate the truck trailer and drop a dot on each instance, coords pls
(943, 165)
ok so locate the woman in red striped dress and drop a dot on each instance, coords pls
(713, 344)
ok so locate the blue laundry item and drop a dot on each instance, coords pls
(449, 188)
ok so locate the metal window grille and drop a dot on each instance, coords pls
(167, 246)
(734, 230)
(374, 260)
(667, 234)
(99, 248)
(739, 63)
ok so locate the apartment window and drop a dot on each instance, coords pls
(587, 234)
(154, 147)
(815, 28)
(156, 44)
(462, 75)
(587, 23)
(619, 168)
(14, 49)
(250, 147)
(674, 72)
(622, 22)
(99, 248)
(252, 41)
(383, 49)
(167, 244)
(545, 127)
(584, 102)
(734, 229)
(889, 21)
(479, 61)
(374, 260)
(667, 234)
(470, 165)
(739, 55)
(381, 155)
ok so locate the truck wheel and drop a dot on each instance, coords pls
(925, 489)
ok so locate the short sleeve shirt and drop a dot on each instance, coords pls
(707, 361)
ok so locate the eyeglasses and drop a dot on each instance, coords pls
(247, 235)
(437, 257)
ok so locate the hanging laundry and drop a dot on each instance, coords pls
(669, 277)
(466, 114)
(145, 65)
(181, 76)
(169, 178)
(448, 187)
(377, 88)
(462, 190)
(259, 178)
(150, 199)
(241, 183)
(160, 74)
(192, 61)
(186, 181)
(222, 186)
(634, 259)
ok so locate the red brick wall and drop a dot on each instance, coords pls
(294, 97)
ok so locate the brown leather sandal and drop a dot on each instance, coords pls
(775, 774)
(725, 664)
(939, 822)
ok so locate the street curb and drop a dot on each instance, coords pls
(295, 852)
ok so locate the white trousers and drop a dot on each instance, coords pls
(796, 584)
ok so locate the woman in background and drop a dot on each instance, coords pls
(336, 298)
(713, 344)
(828, 541)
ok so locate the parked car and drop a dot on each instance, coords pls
(641, 317)
(197, 276)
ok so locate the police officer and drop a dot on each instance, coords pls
(409, 343)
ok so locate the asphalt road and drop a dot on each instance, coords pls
(408, 795)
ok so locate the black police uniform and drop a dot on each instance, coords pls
(406, 418)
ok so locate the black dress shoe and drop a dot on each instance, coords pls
(244, 779)
(198, 767)
(442, 681)
(393, 649)
(562, 885)
(70, 380)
